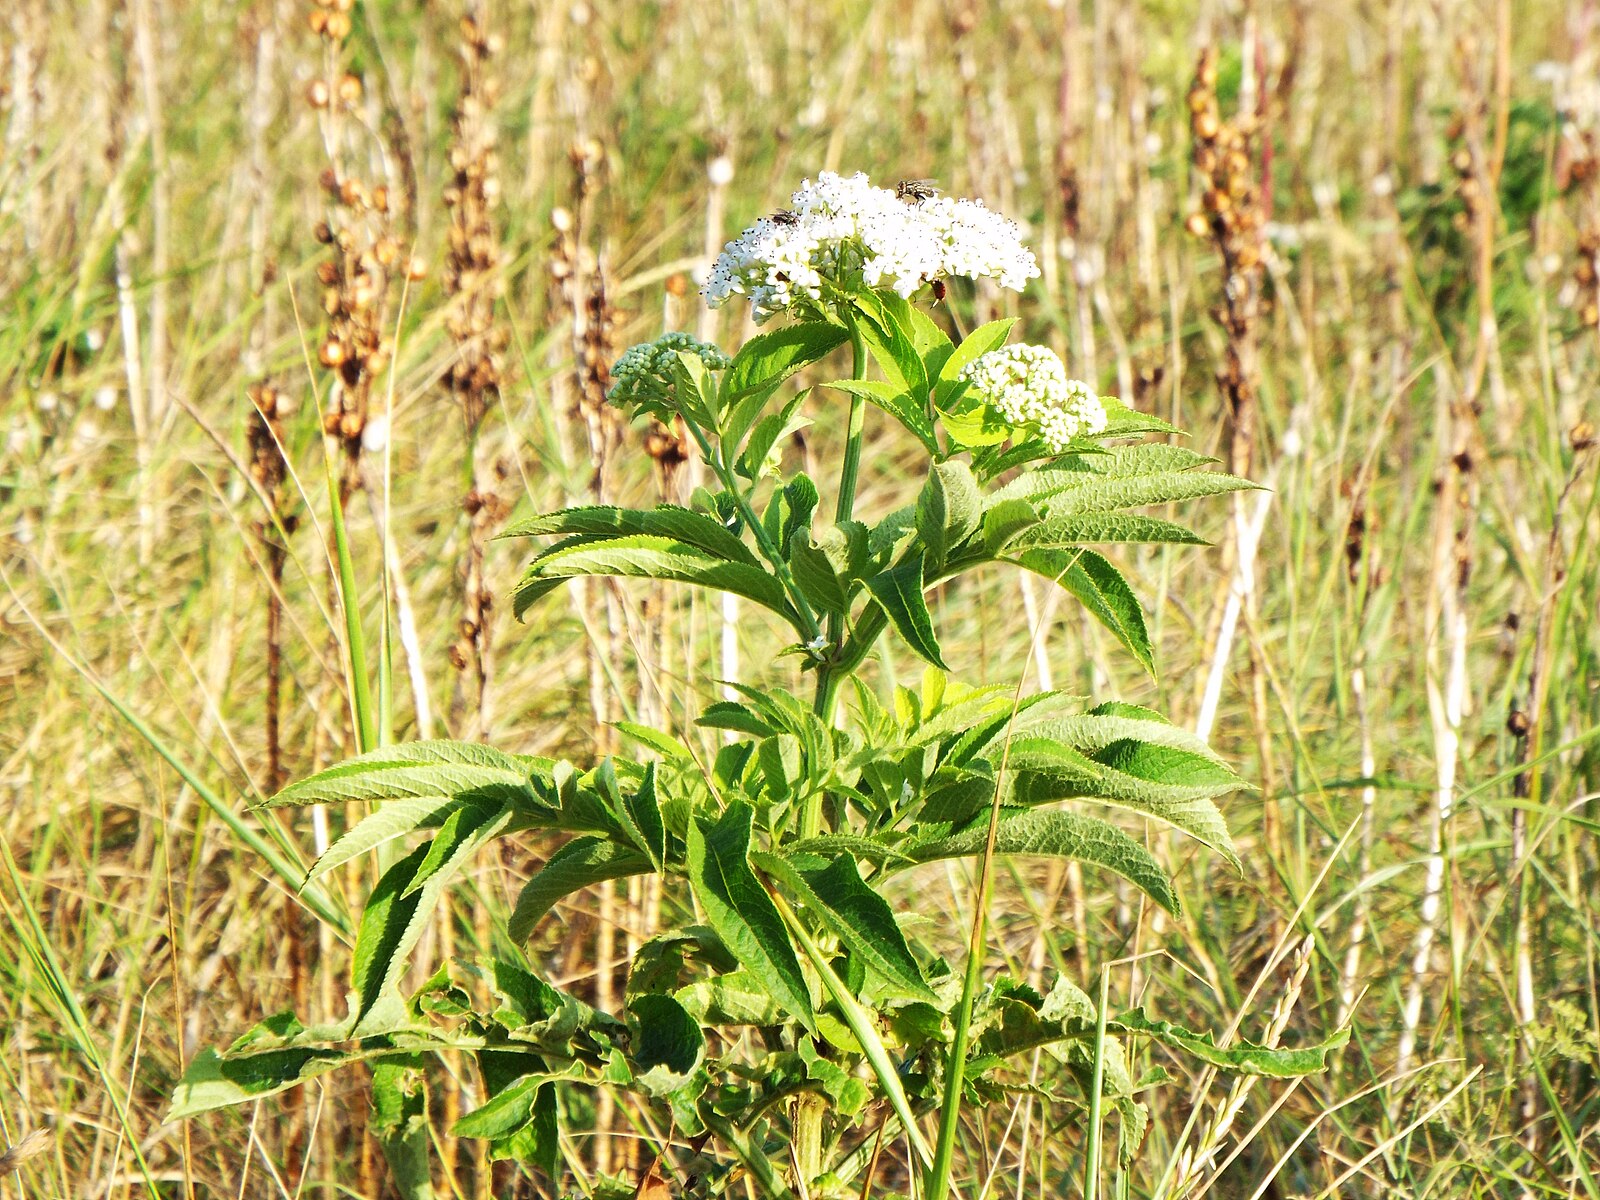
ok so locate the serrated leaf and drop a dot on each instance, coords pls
(1116, 462)
(740, 718)
(662, 743)
(1059, 835)
(1004, 521)
(399, 908)
(734, 998)
(860, 918)
(604, 522)
(580, 863)
(394, 820)
(887, 332)
(894, 399)
(417, 770)
(815, 572)
(1242, 1057)
(757, 458)
(1101, 589)
(1171, 785)
(738, 908)
(830, 844)
(648, 557)
(767, 359)
(667, 1045)
(1092, 528)
(508, 1110)
(640, 811)
(976, 344)
(949, 508)
(898, 592)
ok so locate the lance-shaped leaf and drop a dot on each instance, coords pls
(976, 344)
(640, 812)
(741, 912)
(1241, 1057)
(1090, 529)
(887, 330)
(949, 508)
(393, 820)
(434, 770)
(398, 910)
(648, 557)
(580, 863)
(894, 399)
(1101, 589)
(667, 1045)
(509, 1109)
(767, 359)
(1056, 834)
(1148, 460)
(1172, 785)
(604, 521)
(767, 432)
(860, 918)
(898, 592)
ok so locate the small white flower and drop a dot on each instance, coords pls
(842, 232)
(48, 402)
(720, 171)
(105, 399)
(1028, 388)
(817, 644)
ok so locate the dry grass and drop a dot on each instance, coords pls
(1415, 672)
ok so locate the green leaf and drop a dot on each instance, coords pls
(758, 458)
(815, 567)
(789, 511)
(898, 592)
(1171, 784)
(735, 998)
(580, 863)
(509, 1110)
(1241, 1058)
(641, 817)
(604, 521)
(1059, 835)
(400, 907)
(738, 908)
(394, 820)
(949, 509)
(1101, 589)
(895, 400)
(1005, 520)
(433, 770)
(976, 344)
(667, 1045)
(860, 918)
(662, 743)
(648, 557)
(889, 335)
(932, 342)
(767, 359)
(1091, 528)
(214, 1080)
(829, 844)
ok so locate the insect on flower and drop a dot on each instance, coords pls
(914, 191)
(786, 216)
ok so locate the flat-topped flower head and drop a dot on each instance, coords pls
(846, 234)
(644, 374)
(1028, 389)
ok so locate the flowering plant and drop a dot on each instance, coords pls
(791, 1021)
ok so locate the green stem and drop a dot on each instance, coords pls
(828, 674)
(1091, 1155)
(811, 627)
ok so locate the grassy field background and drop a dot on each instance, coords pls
(1413, 680)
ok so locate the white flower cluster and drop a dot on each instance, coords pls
(846, 233)
(644, 372)
(1027, 386)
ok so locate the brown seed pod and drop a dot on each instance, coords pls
(333, 352)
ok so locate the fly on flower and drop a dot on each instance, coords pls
(914, 191)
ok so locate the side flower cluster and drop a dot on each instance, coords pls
(1027, 388)
(644, 374)
(846, 234)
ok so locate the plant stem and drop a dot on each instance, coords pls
(827, 675)
(1091, 1154)
(812, 629)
